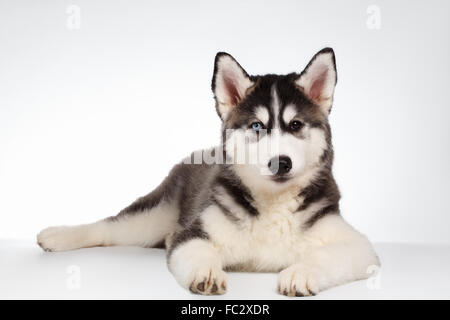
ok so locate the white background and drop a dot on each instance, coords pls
(90, 119)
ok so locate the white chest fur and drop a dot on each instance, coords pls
(270, 241)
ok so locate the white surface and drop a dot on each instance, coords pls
(408, 272)
(91, 119)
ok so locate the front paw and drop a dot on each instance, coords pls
(208, 281)
(196, 266)
(298, 281)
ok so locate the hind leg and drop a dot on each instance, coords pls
(145, 228)
(146, 223)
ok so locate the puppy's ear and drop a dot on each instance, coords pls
(229, 84)
(319, 78)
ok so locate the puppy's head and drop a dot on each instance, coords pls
(275, 127)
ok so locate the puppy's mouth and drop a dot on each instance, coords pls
(280, 178)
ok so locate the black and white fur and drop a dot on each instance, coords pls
(242, 215)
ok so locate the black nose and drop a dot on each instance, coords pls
(280, 165)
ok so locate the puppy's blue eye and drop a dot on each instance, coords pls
(256, 126)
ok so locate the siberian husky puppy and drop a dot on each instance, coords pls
(264, 200)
